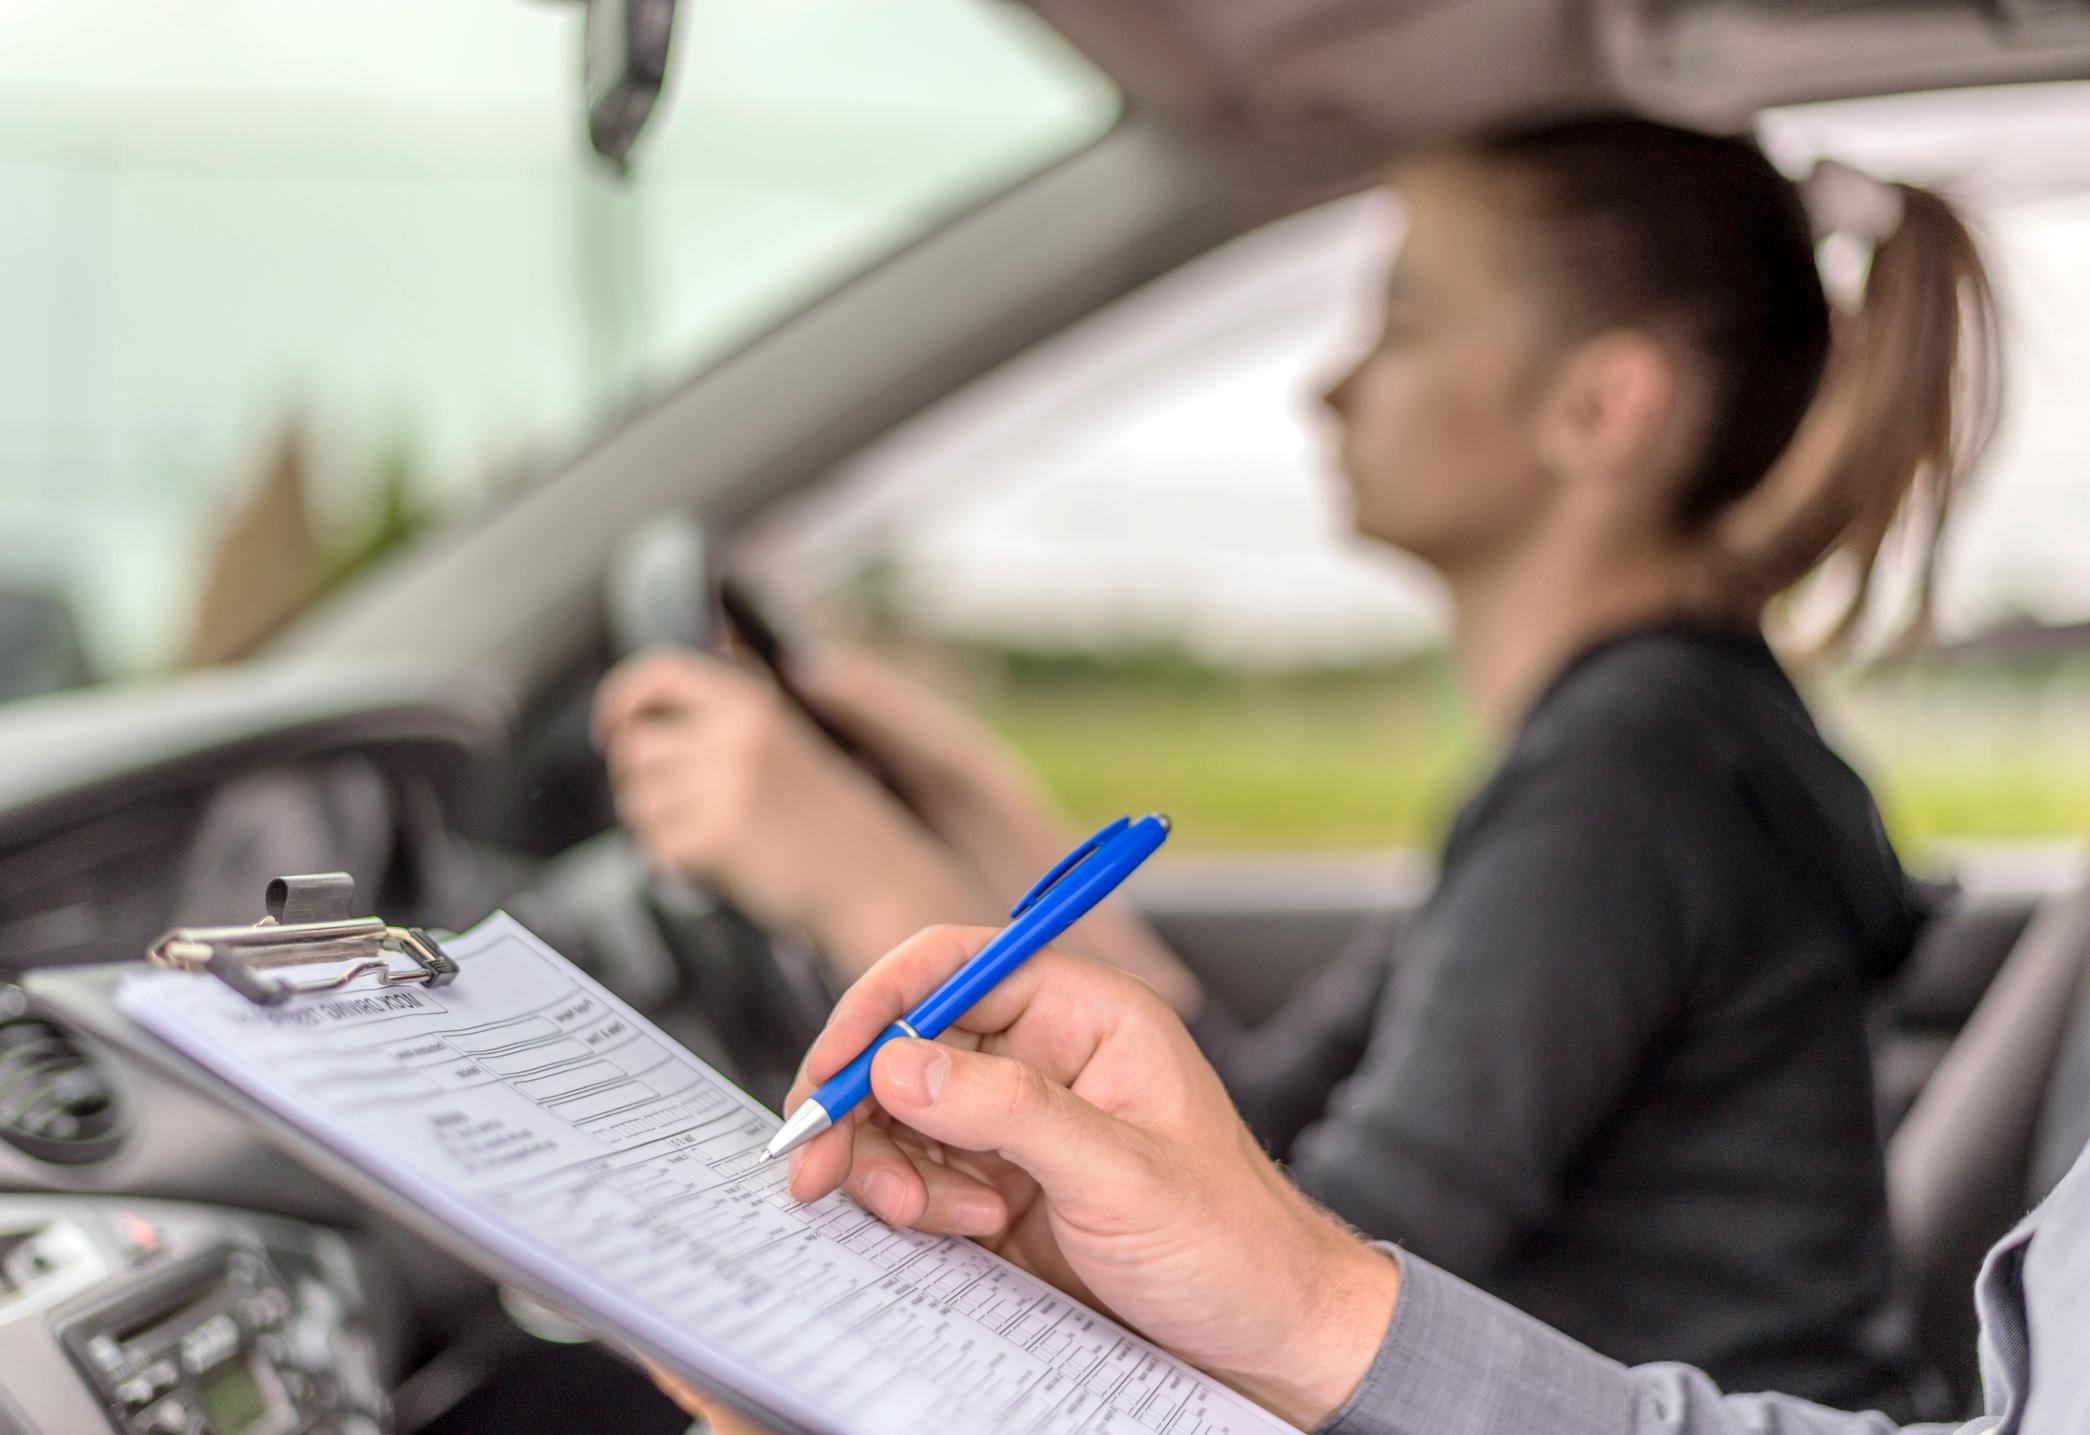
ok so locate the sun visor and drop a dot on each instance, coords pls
(1414, 69)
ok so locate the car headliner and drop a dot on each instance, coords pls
(1410, 68)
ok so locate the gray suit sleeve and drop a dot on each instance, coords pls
(1456, 1361)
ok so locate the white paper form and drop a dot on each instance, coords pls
(548, 1122)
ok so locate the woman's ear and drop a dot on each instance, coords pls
(1612, 417)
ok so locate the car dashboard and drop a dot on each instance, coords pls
(123, 810)
(164, 1318)
(161, 1269)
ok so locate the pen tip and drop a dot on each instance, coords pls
(808, 1121)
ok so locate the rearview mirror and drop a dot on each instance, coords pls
(623, 70)
(40, 647)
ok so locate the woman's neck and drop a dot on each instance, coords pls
(1516, 625)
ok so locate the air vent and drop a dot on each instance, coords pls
(55, 1104)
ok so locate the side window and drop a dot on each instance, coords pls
(1978, 740)
(1131, 551)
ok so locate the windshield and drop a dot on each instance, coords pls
(283, 283)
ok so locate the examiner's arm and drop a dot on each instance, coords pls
(1077, 1130)
(1456, 1361)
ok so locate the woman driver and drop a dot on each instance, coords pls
(1615, 1069)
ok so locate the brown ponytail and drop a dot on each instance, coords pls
(1909, 404)
(1825, 430)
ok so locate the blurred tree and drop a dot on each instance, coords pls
(266, 563)
(271, 561)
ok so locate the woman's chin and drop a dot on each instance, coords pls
(1373, 528)
(1368, 525)
(1356, 516)
(1345, 503)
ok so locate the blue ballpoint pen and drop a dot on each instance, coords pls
(1062, 897)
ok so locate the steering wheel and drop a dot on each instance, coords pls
(764, 995)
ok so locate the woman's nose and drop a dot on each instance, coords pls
(1336, 397)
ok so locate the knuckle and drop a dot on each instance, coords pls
(767, 722)
(705, 831)
(655, 667)
(1026, 1096)
(764, 700)
(752, 727)
(735, 801)
(956, 939)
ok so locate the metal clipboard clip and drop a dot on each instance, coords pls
(308, 922)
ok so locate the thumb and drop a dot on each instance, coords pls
(976, 1102)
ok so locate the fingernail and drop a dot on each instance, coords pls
(882, 1193)
(978, 1215)
(916, 1070)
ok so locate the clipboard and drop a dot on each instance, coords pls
(308, 923)
(515, 1183)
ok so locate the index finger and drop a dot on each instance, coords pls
(891, 988)
(908, 973)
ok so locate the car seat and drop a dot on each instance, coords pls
(1961, 1167)
(2064, 1121)
(1963, 945)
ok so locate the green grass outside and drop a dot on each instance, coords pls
(1242, 772)
(2007, 765)
(1364, 762)
(2009, 800)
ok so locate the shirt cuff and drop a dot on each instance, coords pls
(1456, 1361)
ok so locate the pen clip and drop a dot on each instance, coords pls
(1067, 864)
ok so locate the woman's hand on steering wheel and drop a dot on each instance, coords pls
(717, 776)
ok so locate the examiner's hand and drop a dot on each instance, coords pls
(719, 1418)
(717, 776)
(1069, 1122)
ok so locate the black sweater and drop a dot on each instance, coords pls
(1615, 1070)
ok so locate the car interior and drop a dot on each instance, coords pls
(423, 727)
